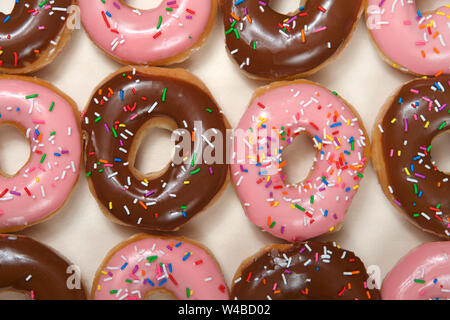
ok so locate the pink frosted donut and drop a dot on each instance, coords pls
(47, 117)
(424, 273)
(161, 36)
(145, 264)
(276, 115)
(409, 40)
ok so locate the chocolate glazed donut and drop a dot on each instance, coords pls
(268, 45)
(403, 135)
(303, 271)
(33, 34)
(115, 119)
(32, 268)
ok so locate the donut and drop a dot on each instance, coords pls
(37, 271)
(409, 40)
(402, 141)
(161, 36)
(276, 115)
(49, 119)
(422, 274)
(303, 271)
(145, 265)
(33, 34)
(268, 45)
(116, 117)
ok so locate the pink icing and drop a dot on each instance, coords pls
(418, 44)
(316, 205)
(133, 35)
(49, 179)
(151, 263)
(424, 273)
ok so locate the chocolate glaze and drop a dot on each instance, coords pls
(32, 268)
(185, 103)
(20, 33)
(312, 270)
(278, 56)
(433, 188)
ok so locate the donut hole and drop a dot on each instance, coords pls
(286, 7)
(14, 149)
(155, 149)
(440, 151)
(299, 157)
(7, 6)
(143, 4)
(430, 6)
(10, 294)
(159, 294)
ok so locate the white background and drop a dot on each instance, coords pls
(373, 228)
